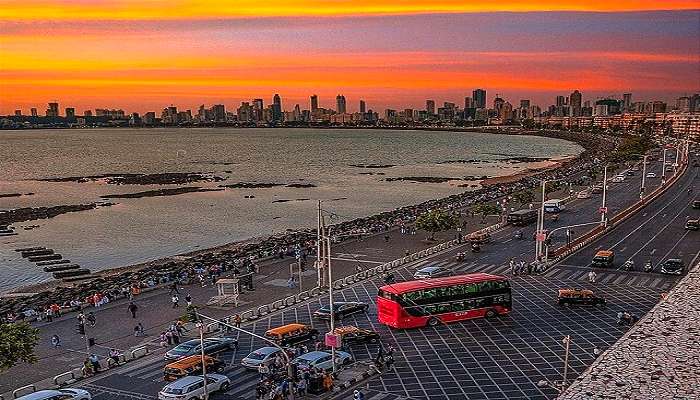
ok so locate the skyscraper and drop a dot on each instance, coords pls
(18, 113)
(525, 104)
(341, 107)
(363, 107)
(498, 105)
(314, 103)
(626, 102)
(219, 113)
(479, 97)
(575, 103)
(468, 103)
(34, 112)
(561, 101)
(276, 108)
(70, 112)
(52, 111)
(430, 107)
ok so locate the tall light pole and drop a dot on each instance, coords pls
(330, 294)
(567, 342)
(603, 210)
(540, 224)
(663, 167)
(644, 175)
(204, 363)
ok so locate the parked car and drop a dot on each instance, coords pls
(618, 179)
(431, 272)
(263, 355)
(58, 394)
(322, 360)
(673, 266)
(192, 387)
(341, 309)
(651, 175)
(584, 297)
(192, 347)
(696, 203)
(353, 334)
(692, 224)
(629, 172)
(598, 188)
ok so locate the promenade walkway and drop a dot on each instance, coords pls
(659, 358)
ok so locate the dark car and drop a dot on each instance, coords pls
(673, 266)
(696, 203)
(341, 309)
(353, 334)
(583, 297)
(192, 347)
(692, 224)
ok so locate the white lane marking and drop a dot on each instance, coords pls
(354, 260)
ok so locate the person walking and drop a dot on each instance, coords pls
(49, 314)
(174, 289)
(237, 320)
(91, 319)
(188, 299)
(132, 309)
(81, 318)
(511, 264)
(114, 355)
(591, 277)
(175, 300)
(55, 341)
(95, 363)
(358, 395)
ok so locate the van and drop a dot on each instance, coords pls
(191, 365)
(603, 258)
(522, 217)
(291, 334)
(553, 206)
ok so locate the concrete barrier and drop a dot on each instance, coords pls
(61, 379)
(213, 327)
(290, 300)
(248, 315)
(314, 292)
(263, 310)
(303, 295)
(23, 391)
(139, 352)
(349, 280)
(338, 284)
(277, 305)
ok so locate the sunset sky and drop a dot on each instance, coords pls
(145, 55)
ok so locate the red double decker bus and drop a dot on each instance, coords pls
(428, 302)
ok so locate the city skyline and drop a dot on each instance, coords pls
(142, 57)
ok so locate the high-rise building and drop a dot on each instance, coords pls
(258, 108)
(52, 111)
(363, 107)
(149, 118)
(627, 102)
(479, 97)
(561, 101)
(498, 104)
(88, 113)
(468, 103)
(218, 113)
(245, 112)
(430, 107)
(695, 103)
(34, 112)
(575, 103)
(341, 106)
(683, 104)
(18, 113)
(524, 104)
(277, 108)
(70, 112)
(314, 103)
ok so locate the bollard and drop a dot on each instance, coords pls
(247, 315)
(24, 390)
(303, 295)
(213, 327)
(290, 300)
(139, 352)
(314, 292)
(277, 305)
(61, 379)
(348, 280)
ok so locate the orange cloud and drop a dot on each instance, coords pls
(201, 9)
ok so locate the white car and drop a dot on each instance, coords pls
(192, 387)
(263, 355)
(618, 179)
(430, 272)
(651, 175)
(58, 394)
(322, 360)
(584, 194)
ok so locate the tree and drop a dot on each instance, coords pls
(524, 197)
(17, 342)
(436, 221)
(486, 209)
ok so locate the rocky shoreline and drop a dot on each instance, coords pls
(33, 213)
(166, 178)
(595, 147)
(161, 192)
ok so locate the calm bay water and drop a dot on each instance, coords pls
(138, 230)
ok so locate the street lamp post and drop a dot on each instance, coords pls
(330, 295)
(204, 364)
(644, 175)
(567, 341)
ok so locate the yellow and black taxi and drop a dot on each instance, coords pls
(585, 297)
(191, 365)
(603, 258)
(352, 334)
(291, 334)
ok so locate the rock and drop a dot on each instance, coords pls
(160, 193)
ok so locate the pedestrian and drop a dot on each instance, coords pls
(263, 369)
(591, 277)
(290, 282)
(163, 339)
(301, 387)
(237, 321)
(358, 395)
(55, 341)
(175, 300)
(596, 351)
(169, 337)
(95, 363)
(380, 354)
(327, 382)
(49, 314)
(132, 309)
(86, 370)
(56, 310)
(114, 355)
(81, 317)
(386, 238)
(389, 363)
(91, 319)
(512, 266)
(137, 330)
(173, 288)
(188, 299)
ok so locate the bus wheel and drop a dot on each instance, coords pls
(433, 321)
(490, 314)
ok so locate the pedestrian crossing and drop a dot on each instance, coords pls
(564, 273)
(374, 395)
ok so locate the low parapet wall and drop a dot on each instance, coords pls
(658, 358)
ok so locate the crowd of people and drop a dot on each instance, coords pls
(206, 267)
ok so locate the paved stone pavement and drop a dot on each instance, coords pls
(659, 358)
